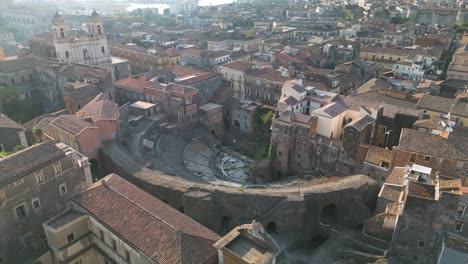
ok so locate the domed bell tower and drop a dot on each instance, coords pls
(95, 26)
(59, 27)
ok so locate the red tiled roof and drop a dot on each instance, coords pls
(183, 71)
(100, 108)
(238, 65)
(6, 122)
(172, 52)
(203, 77)
(267, 74)
(71, 124)
(159, 231)
(131, 84)
(182, 88)
(280, 56)
(219, 53)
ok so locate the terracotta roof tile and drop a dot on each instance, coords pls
(29, 159)
(71, 124)
(100, 108)
(391, 193)
(6, 122)
(238, 65)
(433, 145)
(131, 84)
(267, 74)
(159, 231)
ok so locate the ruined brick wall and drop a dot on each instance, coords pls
(295, 216)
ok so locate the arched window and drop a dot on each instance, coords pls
(85, 54)
(62, 33)
(99, 29)
(103, 50)
(67, 54)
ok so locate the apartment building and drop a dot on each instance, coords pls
(35, 184)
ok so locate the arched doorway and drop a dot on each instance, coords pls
(94, 165)
(271, 227)
(329, 214)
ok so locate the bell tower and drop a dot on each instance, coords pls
(59, 28)
(95, 26)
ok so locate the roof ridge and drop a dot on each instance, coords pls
(127, 198)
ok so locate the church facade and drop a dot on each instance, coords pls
(87, 47)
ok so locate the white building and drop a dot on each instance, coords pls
(184, 7)
(414, 69)
(87, 47)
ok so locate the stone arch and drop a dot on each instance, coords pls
(329, 214)
(271, 227)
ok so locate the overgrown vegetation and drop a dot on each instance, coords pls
(399, 20)
(19, 147)
(20, 110)
(460, 29)
(262, 120)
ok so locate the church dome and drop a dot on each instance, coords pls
(95, 16)
(58, 19)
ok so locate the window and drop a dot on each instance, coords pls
(461, 210)
(63, 189)
(36, 203)
(127, 256)
(459, 226)
(101, 234)
(421, 243)
(20, 212)
(85, 54)
(383, 129)
(412, 157)
(104, 50)
(70, 237)
(427, 158)
(402, 255)
(39, 176)
(57, 168)
(415, 258)
(114, 244)
(67, 54)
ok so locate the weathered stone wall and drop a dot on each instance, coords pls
(290, 212)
